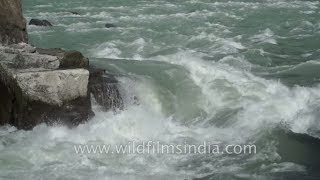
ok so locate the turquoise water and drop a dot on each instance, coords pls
(233, 72)
(272, 39)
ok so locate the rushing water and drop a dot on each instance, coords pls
(232, 72)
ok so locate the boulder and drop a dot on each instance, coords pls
(12, 24)
(73, 59)
(68, 59)
(38, 22)
(54, 87)
(36, 90)
(109, 25)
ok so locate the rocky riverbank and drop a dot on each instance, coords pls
(46, 85)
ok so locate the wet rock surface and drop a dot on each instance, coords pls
(109, 25)
(39, 22)
(104, 89)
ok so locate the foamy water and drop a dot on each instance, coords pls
(227, 72)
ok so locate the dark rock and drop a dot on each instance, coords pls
(46, 23)
(6, 105)
(38, 22)
(74, 13)
(109, 25)
(12, 24)
(74, 59)
(104, 88)
(306, 148)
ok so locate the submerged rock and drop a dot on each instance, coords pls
(74, 13)
(38, 22)
(109, 25)
(12, 23)
(46, 23)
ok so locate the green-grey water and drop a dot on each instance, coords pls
(233, 72)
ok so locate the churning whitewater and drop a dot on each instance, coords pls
(226, 72)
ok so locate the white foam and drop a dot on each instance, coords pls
(107, 50)
(263, 102)
(267, 36)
